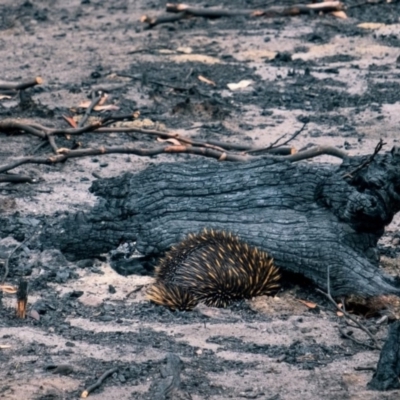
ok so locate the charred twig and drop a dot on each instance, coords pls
(52, 142)
(162, 19)
(22, 299)
(185, 11)
(347, 315)
(275, 145)
(11, 125)
(274, 11)
(14, 178)
(21, 85)
(317, 151)
(344, 334)
(350, 175)
(98, 383)
(93, 104)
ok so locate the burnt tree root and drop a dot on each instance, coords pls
(308, 216)
(387, 372)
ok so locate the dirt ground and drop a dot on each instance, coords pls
(84, 317)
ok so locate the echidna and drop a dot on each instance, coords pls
(214, 267)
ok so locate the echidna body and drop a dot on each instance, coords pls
(213, 267)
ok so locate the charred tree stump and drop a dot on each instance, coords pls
(308, 216)
(387, 372)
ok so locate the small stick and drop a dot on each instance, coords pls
(21, 85)
(22, 299)
(98, 383)
(317, 151)
(52, 142)
(162, 19)
(378, 148)
(14, 178)
(356, 340)
(93, 104)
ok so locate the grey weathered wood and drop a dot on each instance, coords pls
(306, 215)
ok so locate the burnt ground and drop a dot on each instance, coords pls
(343, 77)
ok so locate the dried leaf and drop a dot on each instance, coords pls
(8, 289)
(4, 346)
(35, 315)
(136, 114)
(339, 14)
(70, 121)
(308, 304)
(170, 140)
(370, 25)
(185, 50)
(240, 85)
(102, 99)
(205, 80)
(100, 105)
(339, 314)
(4, 96)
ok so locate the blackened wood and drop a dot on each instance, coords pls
(22, 299)
(387, 372)
(308, 216)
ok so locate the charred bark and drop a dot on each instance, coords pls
(308, 216)
(387, 372)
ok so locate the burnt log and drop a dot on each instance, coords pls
(310, 217)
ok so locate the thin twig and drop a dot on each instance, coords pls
(98, 383)
(275, 145)
(373, 347)
(21, 85)
(345, 313)
(93, 104)
(368, 161)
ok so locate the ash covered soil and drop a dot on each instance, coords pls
(84, 317)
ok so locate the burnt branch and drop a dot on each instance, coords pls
(180, 144)
(386, 376)
(99, 382)
(21, 85)
(163, 19)
(92, 105)
(368, 161)
(14, 178)
(183, 11)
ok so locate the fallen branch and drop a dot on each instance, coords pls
(92, 105)
(162, 19)
(183, 11)
(98, 383)
(49, 133)
(21, 85)
(64, 154)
